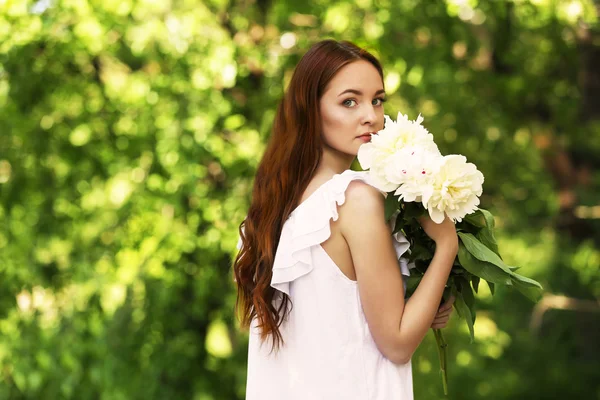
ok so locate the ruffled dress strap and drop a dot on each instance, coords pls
(309, 225)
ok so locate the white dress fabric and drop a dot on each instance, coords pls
(329, 352)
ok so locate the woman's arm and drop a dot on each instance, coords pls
(421, 308)
(397, 327)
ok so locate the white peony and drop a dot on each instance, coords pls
(456, 188)
(415, 170)
(404, 159)
(369, 155)
(405, 133)
(384, 151)
(378, 179)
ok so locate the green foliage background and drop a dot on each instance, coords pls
(129, 135)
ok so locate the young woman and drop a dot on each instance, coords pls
(318, 274)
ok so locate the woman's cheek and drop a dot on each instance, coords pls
(343, 114)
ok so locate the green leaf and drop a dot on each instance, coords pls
(525, 280)
(492, 287)
(420, 252)
(414, 210)
(481, 252)
(447, 293)
(475, 282)
(527, 286)
(532, 292)
(475, 219)
(465, 312)
(399, 224)
(486, 234)
(390, 206)
(482, 269)
(465, 289)
(489, 218)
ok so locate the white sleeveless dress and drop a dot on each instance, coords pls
(329, 352)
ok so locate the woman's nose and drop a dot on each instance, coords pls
(369, 115)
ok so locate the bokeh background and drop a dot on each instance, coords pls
(130, 131)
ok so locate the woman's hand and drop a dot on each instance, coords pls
(443, 315)
(444, 233)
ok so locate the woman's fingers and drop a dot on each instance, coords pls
(448, 304)
(439, 324)
(440, 321)
(443, 313)
(443, 318)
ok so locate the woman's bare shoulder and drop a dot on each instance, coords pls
(363, 206)
(363, 199)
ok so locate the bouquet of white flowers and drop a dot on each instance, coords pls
(404, 161)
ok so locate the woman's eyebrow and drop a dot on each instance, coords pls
(359, 93)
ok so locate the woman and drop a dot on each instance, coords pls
(318, 277)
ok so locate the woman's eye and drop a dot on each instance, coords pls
(349, 103)
(378, 101)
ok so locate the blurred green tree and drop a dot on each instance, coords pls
(129, 135)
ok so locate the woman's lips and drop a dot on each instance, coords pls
(365, 138)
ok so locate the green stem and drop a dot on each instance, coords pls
(442, 347)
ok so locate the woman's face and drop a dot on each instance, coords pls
(352, 107)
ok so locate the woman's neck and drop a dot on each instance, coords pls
(333, 162)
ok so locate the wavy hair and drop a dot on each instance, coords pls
(287, 166)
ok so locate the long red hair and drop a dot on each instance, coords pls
(287, 166)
